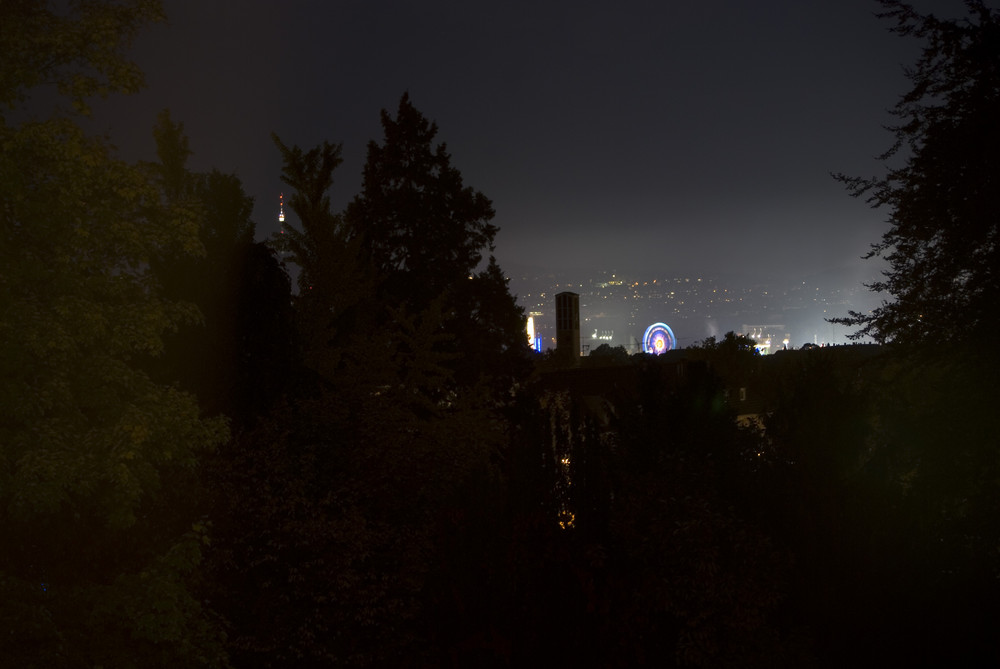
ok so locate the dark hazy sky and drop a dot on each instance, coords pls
(657, 136)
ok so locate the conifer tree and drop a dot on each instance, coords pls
(943, 241)
(426, 233)
(420, 225)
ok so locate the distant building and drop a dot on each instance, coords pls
(568, 325)
(769, 338)
(534, 340)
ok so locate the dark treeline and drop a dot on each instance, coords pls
(203, 465)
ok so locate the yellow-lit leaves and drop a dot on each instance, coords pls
(77, 47)
(79, 302)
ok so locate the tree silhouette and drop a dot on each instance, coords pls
(936, 443)
(80, 50)
(941, 245)
(425, 233)
(335, 299)
(99, 541)
(336, 514)
(420, 225)
(310, 174)
(235, 352)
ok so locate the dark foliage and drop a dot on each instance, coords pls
(239, 353)
(420, 225)
(100, 541)
(942, 244)
(425, 234)
(401, 487)
(880, 477)
(357, 524)
(925, 465)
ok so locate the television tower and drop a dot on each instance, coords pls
(280, 242)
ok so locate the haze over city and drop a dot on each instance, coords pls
(658, 138)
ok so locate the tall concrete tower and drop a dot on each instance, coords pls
(568, 326)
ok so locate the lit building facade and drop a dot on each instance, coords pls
(769, 338)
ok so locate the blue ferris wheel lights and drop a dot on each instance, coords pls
(659, 338)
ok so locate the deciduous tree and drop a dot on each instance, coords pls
(233, 357)
(95, 458)
(79, 48)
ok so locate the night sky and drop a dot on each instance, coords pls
(661, 137)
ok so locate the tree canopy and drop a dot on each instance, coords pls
(404, 493)
(407, 253)
(943, 195)
(244, 330)
(98, 549)
(416, 217)
(78, 47)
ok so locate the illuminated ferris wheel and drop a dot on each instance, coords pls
(659, 338)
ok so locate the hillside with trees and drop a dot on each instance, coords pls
(204, 465)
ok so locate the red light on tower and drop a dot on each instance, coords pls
(281, 208)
